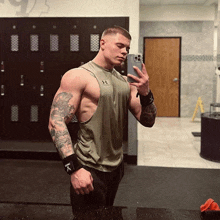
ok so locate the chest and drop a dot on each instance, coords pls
(112, 85)
(107, 86)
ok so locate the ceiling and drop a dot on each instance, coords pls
(178, 2)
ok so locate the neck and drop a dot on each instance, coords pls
(101, 61)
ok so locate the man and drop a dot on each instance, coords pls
(100, 97)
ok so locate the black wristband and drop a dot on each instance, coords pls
(71, 164)
(146, 100)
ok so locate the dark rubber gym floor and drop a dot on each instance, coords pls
(39, 189)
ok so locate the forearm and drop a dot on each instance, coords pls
(61, 139)
(148, 115)
(61, 113)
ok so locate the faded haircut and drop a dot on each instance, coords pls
(116, 30)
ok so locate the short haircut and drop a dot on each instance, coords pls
(116, 30)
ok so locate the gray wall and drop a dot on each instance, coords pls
(197, 76)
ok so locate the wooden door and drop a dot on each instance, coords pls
(162, 60)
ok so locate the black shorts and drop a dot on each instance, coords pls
(105, 188)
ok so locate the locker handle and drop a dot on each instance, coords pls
(42, 66)
(2, 66)
(41, 90)
(2, 90)
(22, 80)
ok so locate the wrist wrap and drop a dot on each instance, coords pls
(71, 164)
(146, 100)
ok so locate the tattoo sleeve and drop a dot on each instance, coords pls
(148, 115)
(61, 113)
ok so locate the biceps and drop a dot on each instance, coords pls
(135, 106)
(63, 107)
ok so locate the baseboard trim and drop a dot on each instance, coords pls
(130, 159)
(33, 155)
(29, 155)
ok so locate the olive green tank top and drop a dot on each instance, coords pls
(99, 143)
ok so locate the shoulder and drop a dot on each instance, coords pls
(77, 77)
(125, 77)
(131, 87)
(75, 74)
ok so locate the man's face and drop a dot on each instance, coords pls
(115, 49)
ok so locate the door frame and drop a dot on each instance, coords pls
(180, 47)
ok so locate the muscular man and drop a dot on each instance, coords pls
(100, 97)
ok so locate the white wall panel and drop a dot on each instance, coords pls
(177, 13)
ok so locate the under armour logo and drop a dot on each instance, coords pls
(105, 82)
(68, 167)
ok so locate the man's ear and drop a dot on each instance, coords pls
(102, 44)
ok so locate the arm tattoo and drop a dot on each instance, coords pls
(148, 115)
(61, 112)
(61, 109)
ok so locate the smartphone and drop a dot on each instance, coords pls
(134, 60)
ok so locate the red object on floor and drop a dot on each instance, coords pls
(210, 205)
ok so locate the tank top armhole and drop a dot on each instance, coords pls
(87, 121)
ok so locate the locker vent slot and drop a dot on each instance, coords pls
(54, 42)
(14, 42)
(74, 42)
(34, 113)
(94, 42)
(34, 42)
(14, 113)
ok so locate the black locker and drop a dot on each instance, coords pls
(34, 54)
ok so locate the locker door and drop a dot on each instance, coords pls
(15, 108)
(35, 99)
